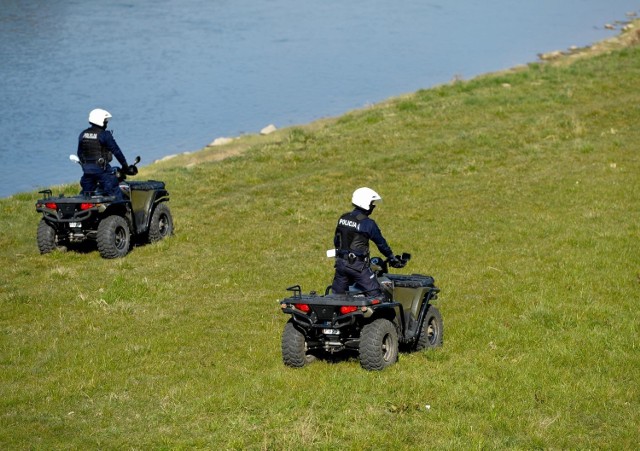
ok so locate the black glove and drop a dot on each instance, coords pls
(131, 170)
(395, 262)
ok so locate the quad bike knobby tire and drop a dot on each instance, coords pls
(114, 237)
(294, 347)
(47, 239)
(161, 225)
(378, 345)
(432, 330)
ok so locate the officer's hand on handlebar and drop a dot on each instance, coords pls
(131, 170)
(395, 262)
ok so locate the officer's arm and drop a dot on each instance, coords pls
(380, 242)
(79, 150)
(110, 143)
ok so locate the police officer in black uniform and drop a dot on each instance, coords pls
(353, 232)
(96, 148)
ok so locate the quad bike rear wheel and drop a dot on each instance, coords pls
(294, 347)
(431, 335)
(378, 345)
(114, 237)
(47, 237)
(161, 225)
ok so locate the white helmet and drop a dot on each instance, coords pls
(99, 117)
(365, 198)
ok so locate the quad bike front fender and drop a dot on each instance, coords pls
(143, 202)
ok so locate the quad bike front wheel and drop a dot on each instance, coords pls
(294, 347)
(161, 225)
(378, 345)
(431, 335)
(114, 237)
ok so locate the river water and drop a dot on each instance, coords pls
(175, 75)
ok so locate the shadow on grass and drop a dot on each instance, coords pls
(90, 246)
(336, 357)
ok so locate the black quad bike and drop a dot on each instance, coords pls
(374, 327)
(143, 215)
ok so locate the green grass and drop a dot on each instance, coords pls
(519, 192)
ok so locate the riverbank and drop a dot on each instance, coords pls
(225, 147)
(629, 35)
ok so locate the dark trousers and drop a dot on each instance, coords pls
(106, 181)
(358, 273)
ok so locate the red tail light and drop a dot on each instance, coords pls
(348, 309)
(304, 307)
(51, 205)
(86, 206)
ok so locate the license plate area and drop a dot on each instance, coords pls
(331, 331)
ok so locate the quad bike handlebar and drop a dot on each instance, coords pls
(381, 266)
(132, 169)
(399, 261)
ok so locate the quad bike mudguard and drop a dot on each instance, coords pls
(144, 197)
(414, 293)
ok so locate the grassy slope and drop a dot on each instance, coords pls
(519, 192)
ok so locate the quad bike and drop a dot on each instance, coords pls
(375, 327)
(143, 215)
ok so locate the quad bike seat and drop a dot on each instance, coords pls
(147, 185)
(411, 281)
